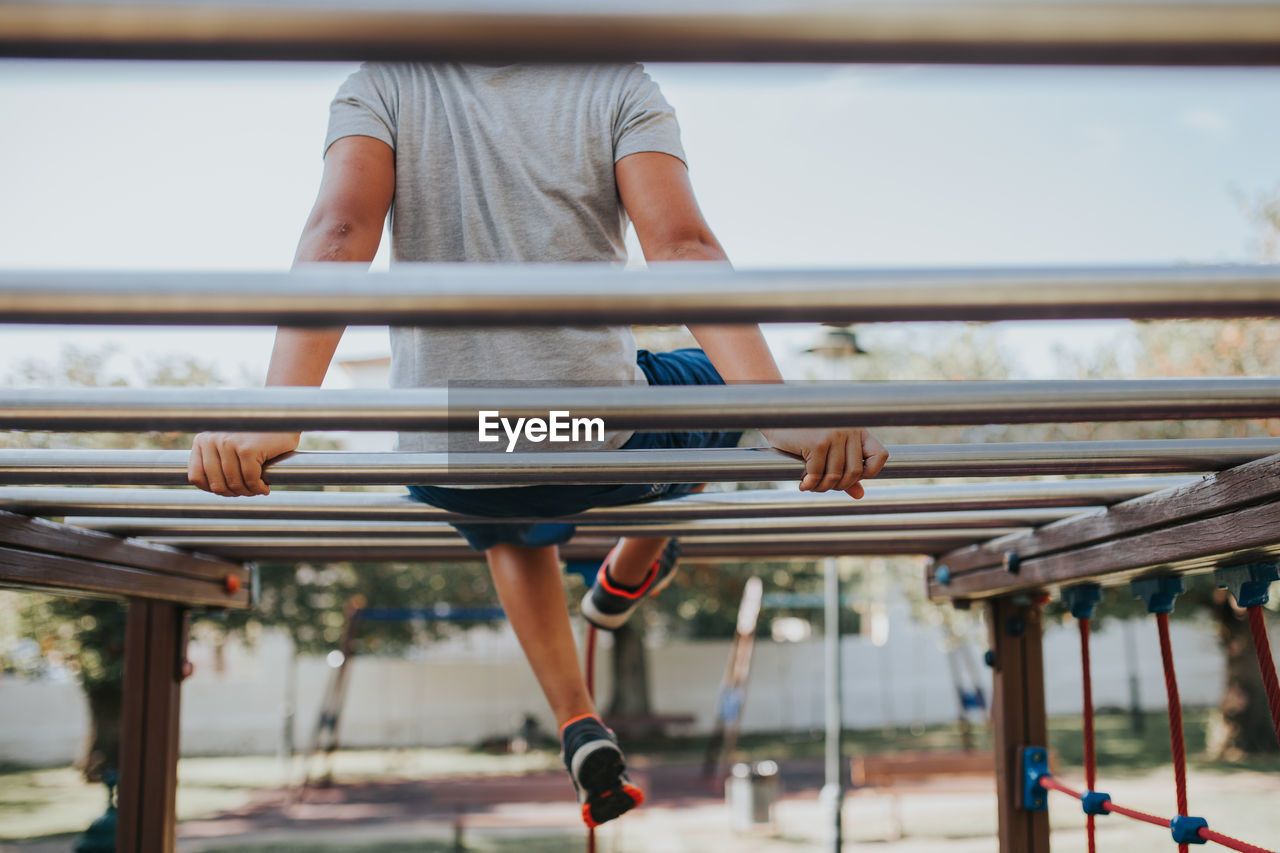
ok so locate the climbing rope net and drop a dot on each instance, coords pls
(1248, 585)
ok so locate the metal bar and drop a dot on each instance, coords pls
(832, 794)
(1000, 518)
(775, 503)
(200, 541)
(584, 294)
(982, 569)
(169, 467)
(1018, 717)
(1158, 32)
(637, 407)
(372, 549)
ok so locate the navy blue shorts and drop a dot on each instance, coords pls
(679, 367)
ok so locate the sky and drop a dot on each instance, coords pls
(116, 165)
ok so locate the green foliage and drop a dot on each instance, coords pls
(307, 600)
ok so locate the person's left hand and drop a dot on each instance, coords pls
(833, 458)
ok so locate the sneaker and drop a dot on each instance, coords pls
(598, 770)
(608, 605)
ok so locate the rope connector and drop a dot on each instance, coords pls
(1186, 830)
(1158, 593)
(1035, 767)
(1249, 583)
(1095, 802)
(943, 575)
(1081, 599)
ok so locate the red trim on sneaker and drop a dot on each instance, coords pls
(634, 793)
(627, 789)
(570, 722)
(603, 579)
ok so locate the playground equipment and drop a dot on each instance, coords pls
(733, 688)
(1148, 530)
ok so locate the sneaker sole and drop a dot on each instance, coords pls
(606, 793)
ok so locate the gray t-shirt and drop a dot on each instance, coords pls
(507, 164)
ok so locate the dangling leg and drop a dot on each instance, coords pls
(531, 589)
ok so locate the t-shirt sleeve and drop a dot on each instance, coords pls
(364, 106)
(645, 121)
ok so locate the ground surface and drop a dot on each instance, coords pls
(423, 800)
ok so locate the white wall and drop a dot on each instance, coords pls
(478, 686)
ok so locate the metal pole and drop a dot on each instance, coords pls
(998, 521)
(639, 407)
(169, 467)
(832, 795)
(775, 503)
(372, 549)
(448, 540)
(584, 294)
(1044, 31)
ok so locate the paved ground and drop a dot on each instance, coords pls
(684, 816)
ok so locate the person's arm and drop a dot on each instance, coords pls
(345, 226)
(656, 192)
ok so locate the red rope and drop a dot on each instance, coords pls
(1090, 758)
(1262, 645)
(1137, 815)
(1175, 718)
(1229, 842)
(1051, 784)
(589, 675)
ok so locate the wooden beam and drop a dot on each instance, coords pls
(38, 534)
(155, 655)
(1246, 535)
(1017, 717)
(35, 553)
(1253, 482)
(1186, 528)
(68, 575)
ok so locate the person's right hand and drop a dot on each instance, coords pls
(230, 463)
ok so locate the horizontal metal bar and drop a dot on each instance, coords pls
(1045, 31)
(774, 503)
(169, 467)
(920, 542)
(1005, 519)
(637, 407)
(584, 294)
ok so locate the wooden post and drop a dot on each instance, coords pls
(1018, 716)
(155, 655)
